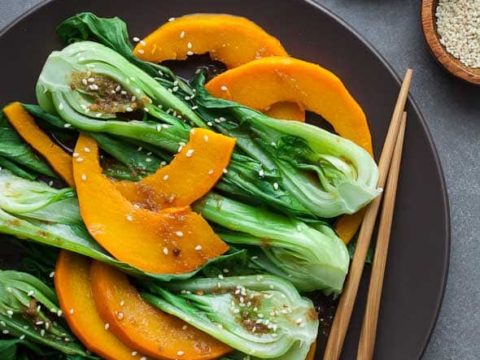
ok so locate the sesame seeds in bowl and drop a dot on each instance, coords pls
(452, 31)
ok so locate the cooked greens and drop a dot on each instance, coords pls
(260, 315)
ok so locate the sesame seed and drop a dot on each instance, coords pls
(220, 276)
(71, 311)
(179, 233)
(226, 270)
(84, 177)
(182, 34)
(209, 123)
(171, 19)
(136, 39)
(30, 293)
(87, 149)
(128, 109)
(67, 125)
(143, 43)
(194, 107)
(261, 173)
(59, 313)
(165, 177)
(107, 326)
(118, 88)
(120, 315)
(5, 332)
(198, 247)
(123, 92)
(129, 217)
(22, 337)
(143, 358)
(189, 153)
(9, 313)
(122, 302)
(189, 53)
(175, 88)
(84, 82)
(224, 88)
(189, 45)
(163, 163)
(210, 172)
(225, 171)
(91, 80)
(275, 186)
(93, 87)
(165, 251)
(134, 353)
(148, 159)
(38, 323)
(79, 159)
(141, 51)
(180, 353)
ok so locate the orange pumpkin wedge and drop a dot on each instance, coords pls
(233, 40)
(285, 111)
(263, 82)
(311, 353)
(144, 327)
(191, 174)
(267, 81)
(74, 291)
(24, 123)
(171, 241)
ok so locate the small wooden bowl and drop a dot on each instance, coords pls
(450, 63)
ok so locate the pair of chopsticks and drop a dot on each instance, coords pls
(389, 166)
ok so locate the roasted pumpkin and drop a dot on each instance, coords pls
(264, 82)
(233, 40)
(191, 174)
(24, 123)
(74, 291)
(173, 240)
(144, 327)
(285, 111)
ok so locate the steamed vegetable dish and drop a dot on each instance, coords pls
(168, 218)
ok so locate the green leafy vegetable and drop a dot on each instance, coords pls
(262, 316)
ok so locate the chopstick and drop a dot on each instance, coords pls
(349, 294)
(369, 326)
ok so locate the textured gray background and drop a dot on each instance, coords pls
(452, 110)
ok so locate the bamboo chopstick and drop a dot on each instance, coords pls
(369, 326)
(347, 299)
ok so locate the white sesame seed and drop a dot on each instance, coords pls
(189, 53)
(5, 332)
(180, 353)
(93, 87)
(9, 313)
(182, 34)
(189, 45)
(143, 43)
(165, 251)
(148, 159)
(141, 51)
(107, 326)
(225, 171)
(179, 233)
(210, 172)
(22, 337)
(30, 293)
(275, 186)
(198, 247)
(84, 82)
(128, 109)
(84, 177)
(129, 218)
(224, 88)
(189, 153)
(261, 173)
(134, 353)
(120, 315)
(79, 159)
(67, 125)
(143, 358)
(209, 123)
(71, 311)
(171, 19)
(59, 313)
(91, 80)
(194, 107)
(165, 177)
(226, 271)
(136, 39)
(220, 276)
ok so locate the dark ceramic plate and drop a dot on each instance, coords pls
(418, 259)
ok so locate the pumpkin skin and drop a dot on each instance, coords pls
(264, 82)
(24, 123)
(75, 294)
(170, 241)
(232, 40)
(140, 325)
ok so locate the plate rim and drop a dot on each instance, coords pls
(411, 101)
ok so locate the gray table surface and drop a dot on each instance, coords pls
(452, 110)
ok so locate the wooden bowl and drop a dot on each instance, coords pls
(451, 64)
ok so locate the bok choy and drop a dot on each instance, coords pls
(259, 315)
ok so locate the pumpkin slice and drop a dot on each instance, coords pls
(267, 81)
(191, 174)
(311, 353)
(285, 111)
(233, 40)
(25, 125)
(74, 291)
(144, 327)
(171, 241)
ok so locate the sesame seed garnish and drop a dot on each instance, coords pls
(210, 172)
(143, 358)
(84, 82)
(148, 159)
(175, 88)
(275, 186)
(225, 171)
(184, 327)
(107, 326)
(163, 163)
(128, 109)
(30, 293)
(136, 39)
(84, 177)
(59, 313)
(22, 337)
(194, 107)
(86, 149)
(141, 51)
(165, 177)
(134, 353)
(189, 45)
(165, 251)
(122, 302)
(5, 332)
(179, 233)
(143, 43)
(67, 125)
(180, 353)
(226, 271)
(171, 19)
(129, 217)
(182, 34)
(120, 315)
(38, 323)
(91, 80)
(224, 88)
(189, 153)
(198, 247)
(261, 173)
(9, 313)
(220, 276)
(93, 87)
(205, 138)
(209, 123)
(79, 159)
(189, 53)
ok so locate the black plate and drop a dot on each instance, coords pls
(419, 251)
